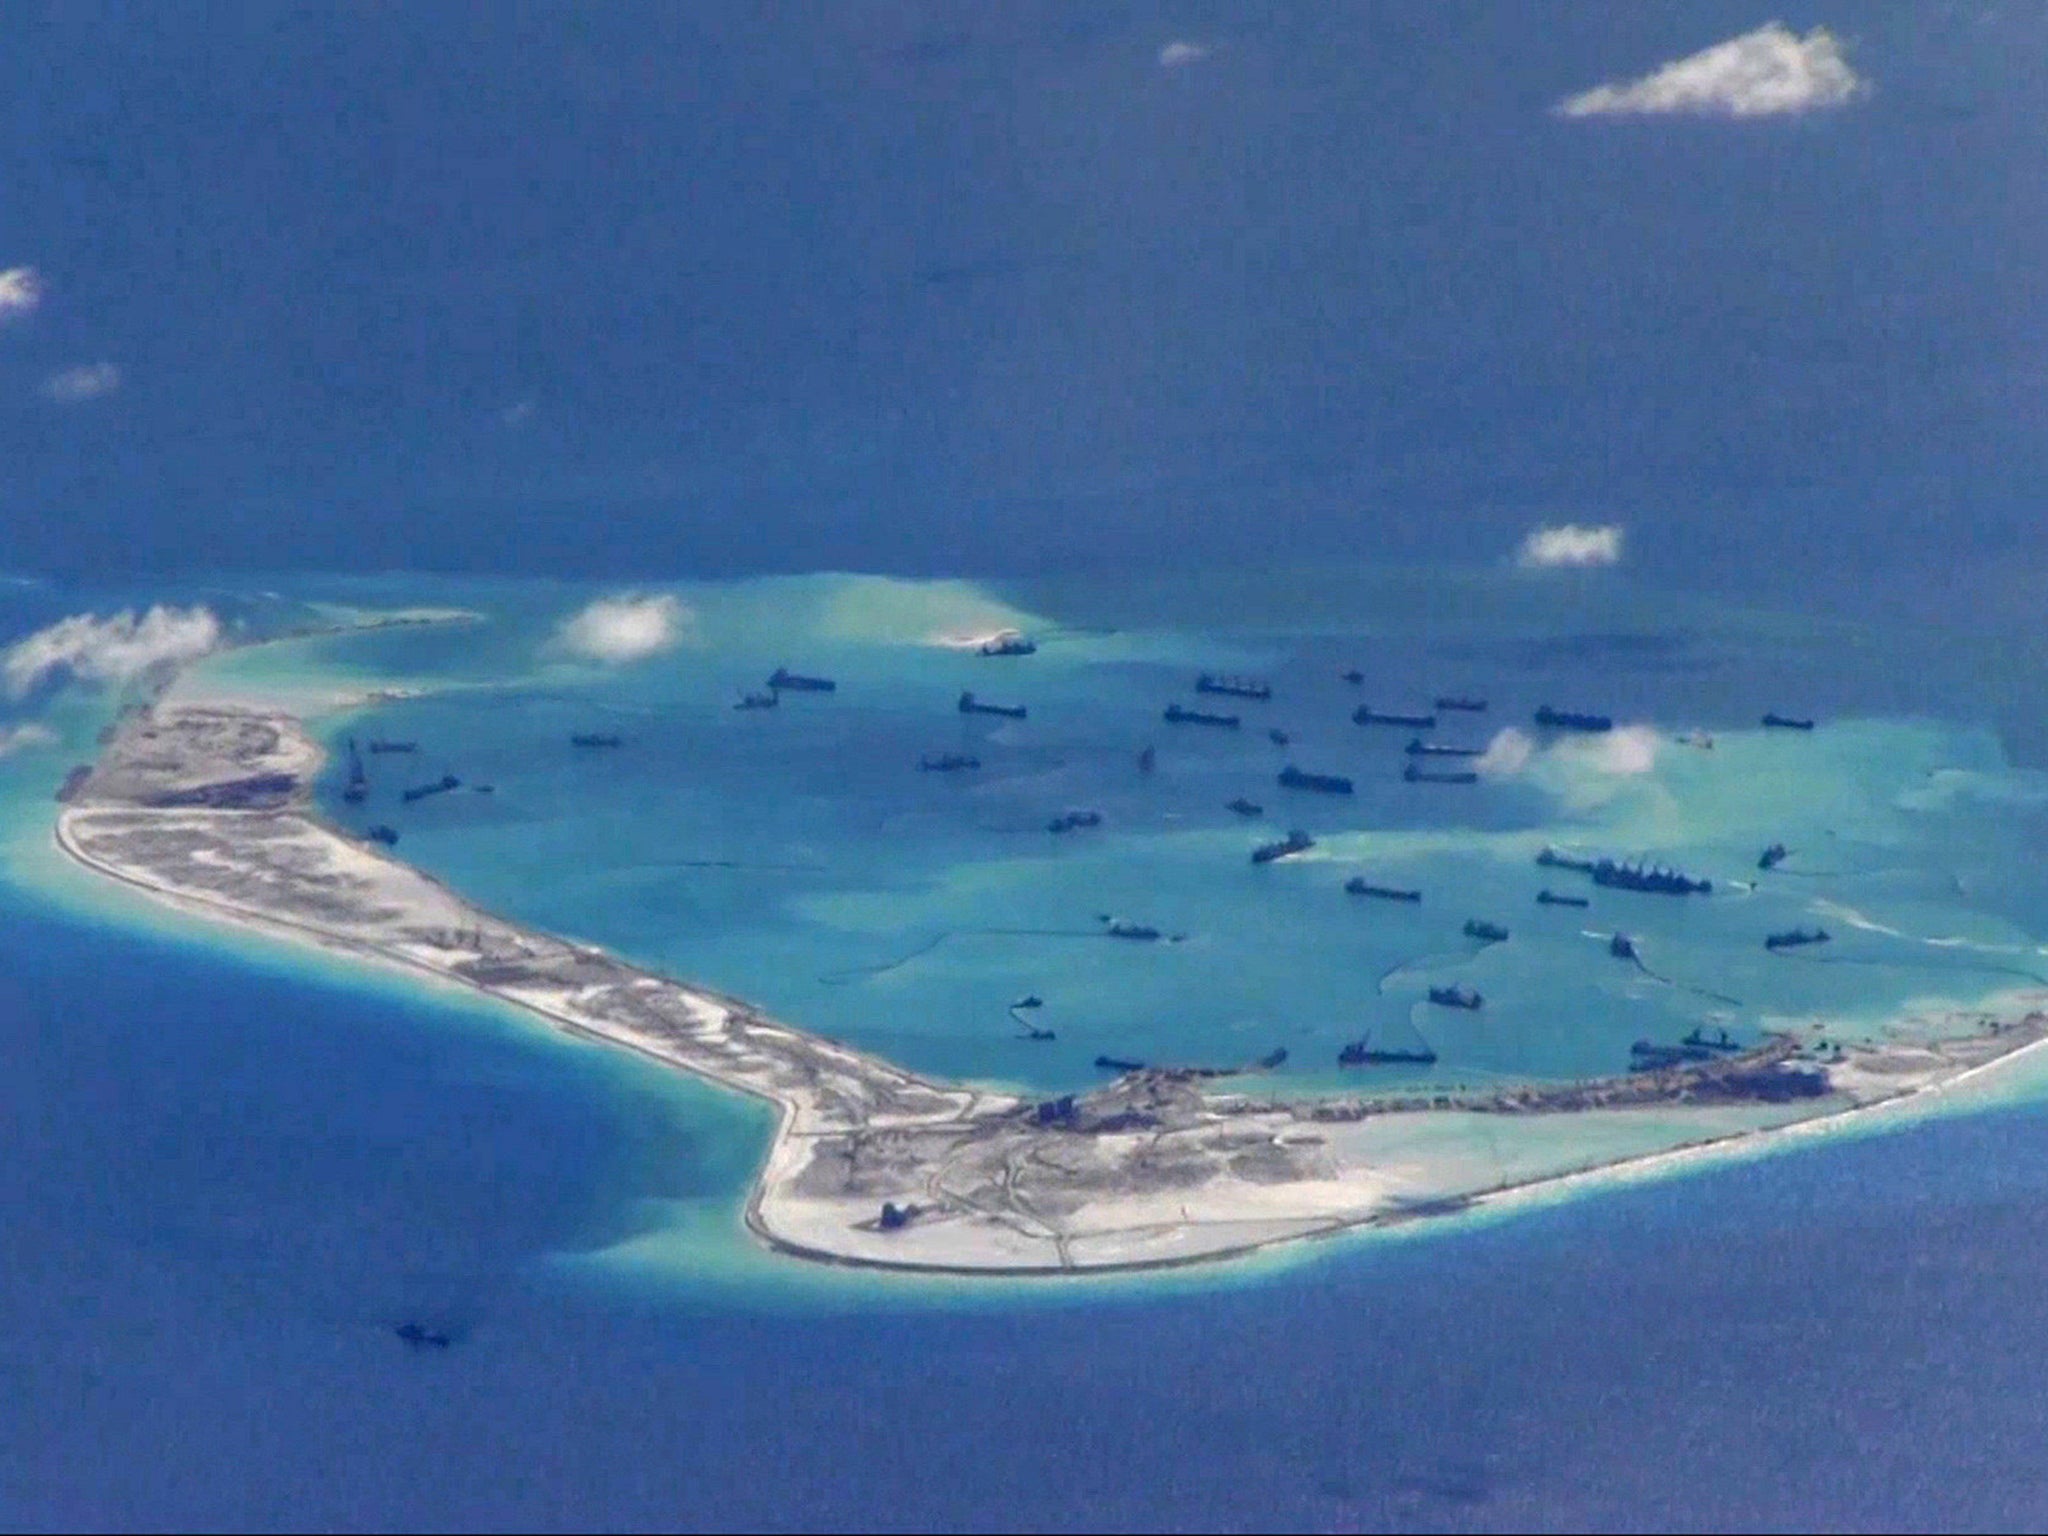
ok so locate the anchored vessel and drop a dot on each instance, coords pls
(1010, 644)
(1366, 715)
(947, 762)
(1122, 928)
(1772, 856)
(1292, 777)
(1572, 720)
(1236, 687)
(1550, 898)
(1622, 947)
(380, 833)
(1491, 933)
(1073, 820)
(1456, 997)
(1175, 715)
(1415, 775)
(1362, 1053)
(1245, 807)
(785, 681)
(1278, 737)
(1455, 701)
(358, 781)
(593, 739)
(1794, 938)
(440, 786)
(1358, 885)
(1294, 842)
(1119, 1064)
(1786, 723)
(1420, 748)
(766, 700)
(394, 746)
(970, 705)
(1720, 1040)
(1354, 677)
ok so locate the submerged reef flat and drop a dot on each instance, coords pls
(209, 807)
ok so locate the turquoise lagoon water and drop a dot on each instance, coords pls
(798, 858)
(232, 1165)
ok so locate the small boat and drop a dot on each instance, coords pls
(1354, 677)
(1244, 807)
(1417, 747)
(1796, 938)
(1273, 1060)
(419, 1337)
(1119, 928)
(1457, 702)
(595, 739)
(1008, 643)
(1550, 898)
(970, 705)
(947, 762)
(1773, 856)
(1414, 775)
(440, 786)
(1358, 885)
(1456, 997)
(1119, 1064)
(1489, 933)
(1147, 760)
(394, 746)
(1622, 947)
(1029, 1000)
(1073, 821)
(388, 836)
(1777, 722)
(1292, 777)
(767, 700)
(1278, 737)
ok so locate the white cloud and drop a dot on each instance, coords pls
(1570, 544)
(625, 628)
(17, 738)
(1507, 754)
(115, 649)
(1764, 73)
(1180, 53)
(21, 292)
(86, 381)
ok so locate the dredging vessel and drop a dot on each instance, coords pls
(1294, 842)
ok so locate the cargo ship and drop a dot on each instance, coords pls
(1362, 1053)
(970, 705)
(1491, 933)
(1244, 807)
(947, 762)
(782, 680)
(1235, 687)
(1550, 898)
(1773, 856)
(1414, 775)
(1778, 722)
(1074, 821)
(1175, 715)
(1572, 720)
(1417, 747)
(1366, 715)
(440, 786)
(594, 739)
(1358, 885)
(767, 700)
(1009, 643)
(1796, 937)
(1292, 777)
(1455, 701)
(1456, 997)
(1294, 842)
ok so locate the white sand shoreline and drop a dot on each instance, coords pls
(1149, 1174)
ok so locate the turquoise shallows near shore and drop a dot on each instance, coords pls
(835, 849)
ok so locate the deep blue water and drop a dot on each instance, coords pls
(207, 1246)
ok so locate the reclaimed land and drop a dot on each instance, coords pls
(209, 807)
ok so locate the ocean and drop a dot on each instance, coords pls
(232, 1168)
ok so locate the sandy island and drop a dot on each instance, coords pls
(209, 807)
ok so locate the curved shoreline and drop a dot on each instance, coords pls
(1151, 1172)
